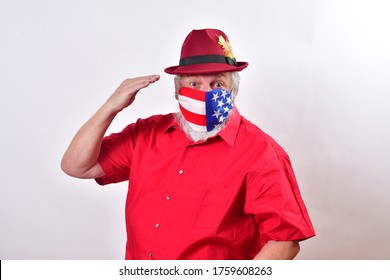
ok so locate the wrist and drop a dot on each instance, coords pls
(107, 112)
(110, 109)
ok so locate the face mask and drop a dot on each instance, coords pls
(204, 110)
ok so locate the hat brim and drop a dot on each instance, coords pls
(205, 68)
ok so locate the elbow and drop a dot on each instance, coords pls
(70, 168)
(74, 169)
(279, 250)
(67, 168)
(294, 249)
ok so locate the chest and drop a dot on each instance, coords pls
(196, 169)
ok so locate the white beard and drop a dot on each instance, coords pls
(193, 134)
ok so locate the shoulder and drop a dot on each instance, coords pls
(143, 126)
(153, 124)
(255, 139)
(156, 120)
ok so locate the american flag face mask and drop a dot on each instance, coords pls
(205, 110)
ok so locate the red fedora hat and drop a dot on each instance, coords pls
(206, 51)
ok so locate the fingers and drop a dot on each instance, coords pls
(127, 91)
(154, 78)
(145, 79)
(150, 79)
(135, 84)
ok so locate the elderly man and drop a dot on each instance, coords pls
(204, 183)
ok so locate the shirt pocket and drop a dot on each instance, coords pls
(213, 207)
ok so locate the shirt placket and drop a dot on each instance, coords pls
(168, 195)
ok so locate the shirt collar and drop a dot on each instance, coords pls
(171, 124)
(228, 134)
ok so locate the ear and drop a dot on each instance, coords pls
(177, 87)
(235, 90)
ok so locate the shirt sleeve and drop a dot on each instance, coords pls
(115, 156)
(274, 199)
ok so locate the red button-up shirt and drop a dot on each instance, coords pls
(219, 199)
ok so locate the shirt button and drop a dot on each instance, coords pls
(168, 197)
(157, 226)
(181, 171)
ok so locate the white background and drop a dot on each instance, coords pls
(318, 82)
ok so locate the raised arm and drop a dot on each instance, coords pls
(80, 159)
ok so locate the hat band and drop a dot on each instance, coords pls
(207, 59)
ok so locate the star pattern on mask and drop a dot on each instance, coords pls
(222, 103)
(215, 96)
(224, 93)
(216, 114)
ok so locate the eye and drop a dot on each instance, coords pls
(217, 85)
(193, 84)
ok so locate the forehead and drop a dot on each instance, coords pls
(210, 77)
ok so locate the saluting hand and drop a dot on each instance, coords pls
(125, 94)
